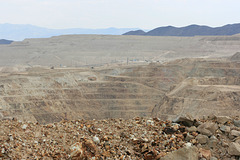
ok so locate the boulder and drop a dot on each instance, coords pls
(83, 150)
(212, 142)
(77, 151)
(224, 128)
(235, 133)
(185, 153)
(211, 117)
(235, 57)
(205, 153)
(96, 139)
(202, 139)
(24, 126)
(192, 129)
(189, 137)
(236, 123)
(223, 119)
(234, 149)
(207, 128)
(237, 140)
(186, 120)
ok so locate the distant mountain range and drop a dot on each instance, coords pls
(4, 41)
(192, 30)
(18, 32)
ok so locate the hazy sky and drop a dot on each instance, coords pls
(146, 14)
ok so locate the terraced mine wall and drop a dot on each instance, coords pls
(195, 86)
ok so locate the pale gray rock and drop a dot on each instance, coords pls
(189, 137)
(96, 139)
(224, 128)
(213, 158)
(207, 128)
(192, 129)
(236, 123)
(212, 117)
(202, 139)
(237, 140)
(223, 119)
(235, 133)
(186, 120)
(224, 144)
(234, 149)
(24, 126)
(186, 153)
(212, 142)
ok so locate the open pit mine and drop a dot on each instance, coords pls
(120, 97)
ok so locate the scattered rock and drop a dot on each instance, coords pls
(117, 139)
(208, 128)
(234, 149)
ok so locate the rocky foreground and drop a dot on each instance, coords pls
(138, 138)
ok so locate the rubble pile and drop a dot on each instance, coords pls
(210, 138)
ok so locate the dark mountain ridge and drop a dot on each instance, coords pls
(137, 32)
(4, 41)
(191, 30)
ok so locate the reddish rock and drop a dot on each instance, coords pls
(205, 153)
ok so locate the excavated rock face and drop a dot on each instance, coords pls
(52, 95)
(196, 86)
(235, 57)
(209, 87)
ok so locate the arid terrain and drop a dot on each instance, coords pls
(95, 77)
(95, 50)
